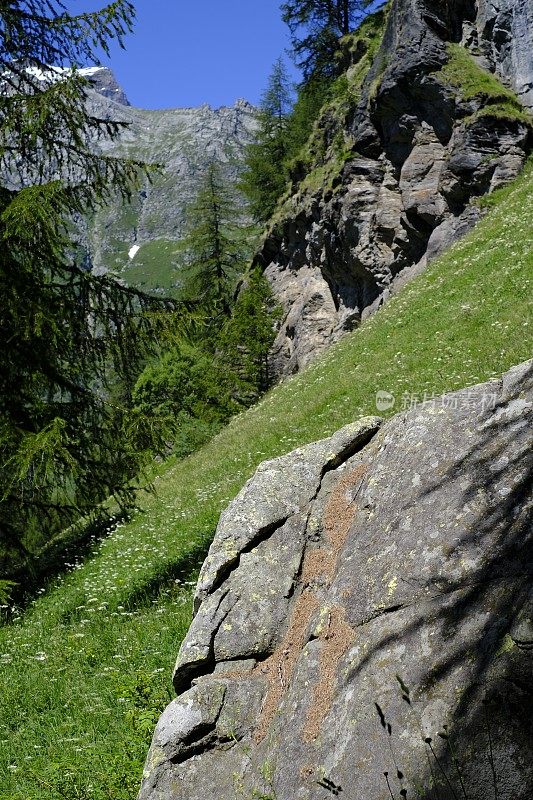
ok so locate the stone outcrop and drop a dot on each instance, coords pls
(503, 33)
(382, 577)
(420, 151)
(104, 83)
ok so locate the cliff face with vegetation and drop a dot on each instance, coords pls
(502, 34)
(431, 113)
(87, 671)
(362, 622)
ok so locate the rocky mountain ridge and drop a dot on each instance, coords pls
(397, 549)
(137, 241)
(104, 83)
(101, 80)
(430, 122)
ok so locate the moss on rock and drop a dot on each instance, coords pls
(477, 84)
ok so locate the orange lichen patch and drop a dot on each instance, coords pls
(278, 668)
(306, 771)
(337, 637)
(234, 674)
(317, 564)
(338, 517)
(339, 511)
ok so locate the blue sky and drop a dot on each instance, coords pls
(189, 52)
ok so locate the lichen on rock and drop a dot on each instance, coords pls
(401, 549)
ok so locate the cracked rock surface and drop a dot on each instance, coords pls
(419, 155)
(503, 32)
(391, 549)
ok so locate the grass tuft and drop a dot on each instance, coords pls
(475, 83)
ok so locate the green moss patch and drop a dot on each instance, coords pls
(329, 146)
(475, 83)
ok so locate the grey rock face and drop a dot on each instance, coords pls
(104, 83)
(503, 33)
(267, 509)
(420, 155)
(402, 550)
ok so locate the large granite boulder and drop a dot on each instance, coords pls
(365, 615)
(417, 152)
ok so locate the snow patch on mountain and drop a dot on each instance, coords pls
(102, 79)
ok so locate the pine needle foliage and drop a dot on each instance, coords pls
(223, 366)
(316, 27)
(5, 590)
(278, 143)
(215, 248)
(247, 338)
(218, 363)
(285, 124)
(64, 445)
(265, 177)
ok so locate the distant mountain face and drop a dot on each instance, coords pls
(102, 79)
(105, 84)
(138, 241)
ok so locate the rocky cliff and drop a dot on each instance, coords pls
(502, 33)
(105, 84)
(137, 241)
(430, 114)
(364, 617)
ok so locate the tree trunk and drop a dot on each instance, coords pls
(345, 24)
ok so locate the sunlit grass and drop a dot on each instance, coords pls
(473, 81)
(85, 671)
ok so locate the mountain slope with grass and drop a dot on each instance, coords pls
(85, 670)
(387, 568)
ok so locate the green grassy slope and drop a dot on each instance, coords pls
(85, 672)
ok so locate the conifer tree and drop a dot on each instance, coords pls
(266, 176)
(5, 589)
(248, 337)
(199, 386)
(64, 446)
(316, 26)
(214, 246)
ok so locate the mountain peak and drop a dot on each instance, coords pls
(104, 82)
(102, 79)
